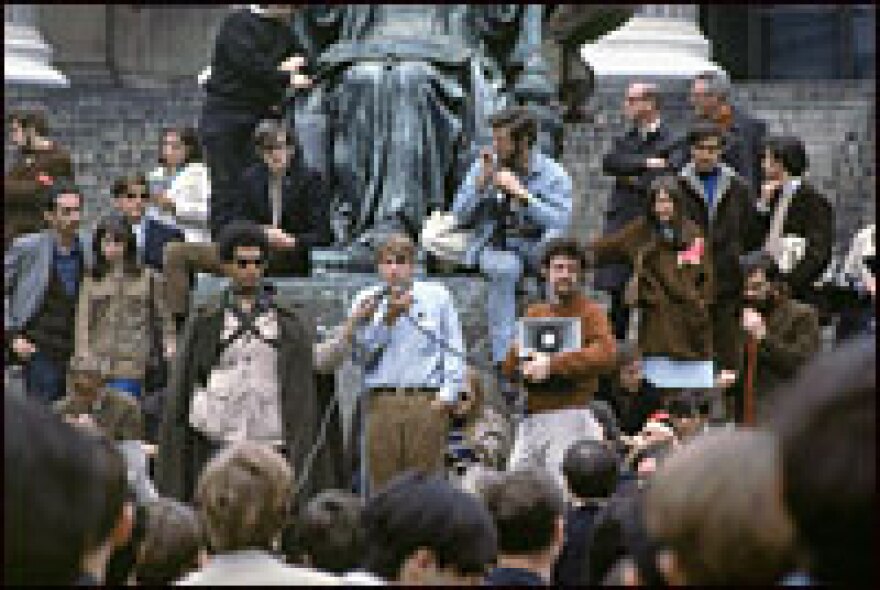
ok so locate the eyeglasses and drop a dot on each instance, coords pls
(246, 262)
(136, 196)
(707, 148)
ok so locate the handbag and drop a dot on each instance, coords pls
(156, 373)
(443, 239)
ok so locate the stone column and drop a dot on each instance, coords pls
(26, 55)
(660, 40)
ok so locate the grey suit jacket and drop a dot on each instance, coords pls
(27, 266)
(255, 568)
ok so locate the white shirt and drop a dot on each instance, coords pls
(190, 192)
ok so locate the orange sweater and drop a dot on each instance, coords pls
(579, 369)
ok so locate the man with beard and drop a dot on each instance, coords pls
(785, 331)
(245, 371)
(517, 199)
(560, 384)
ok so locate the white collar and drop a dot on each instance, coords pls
(793, 184)
(257, 9)
(650, 128)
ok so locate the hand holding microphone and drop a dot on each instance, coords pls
(400, 299)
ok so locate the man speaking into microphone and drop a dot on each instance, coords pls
(412, 353)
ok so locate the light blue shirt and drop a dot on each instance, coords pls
(549, 205)
(403, 355)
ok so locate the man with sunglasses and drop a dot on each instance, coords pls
(412, 352)
(130, 199)
(246, 371)
(719, 200)
(42, 275)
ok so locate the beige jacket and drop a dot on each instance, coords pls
(113, 322)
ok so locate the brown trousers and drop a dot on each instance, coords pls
(182, 261)
(403, 432)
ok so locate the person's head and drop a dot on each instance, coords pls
(421, 530)
(629, 366)
(85, 377)
(243, 496)
(761, 280)
(784, 157)
(709, 92)
(514, 132)
(64, 498)
(327, 534)
(26, 126)
(273, 144)
(715, 506)
(395, 259)
(62, 204)
(590, 468)
(179, 146)
(243, 249)
(706, 142)
(826, 419)
(172, 545)
(131, 196)
(563, 267)
(641, 103)
(279, 11)
(114, 246)
(664, 197)
(528, 509)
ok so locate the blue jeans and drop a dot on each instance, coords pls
(132, 387)
(45, 378)
(503, 269)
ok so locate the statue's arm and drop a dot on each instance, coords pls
(314, 28)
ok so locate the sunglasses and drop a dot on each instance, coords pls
(246, 262)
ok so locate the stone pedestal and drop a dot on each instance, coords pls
(26, 55)
(660, 40)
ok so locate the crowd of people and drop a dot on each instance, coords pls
(152, 440)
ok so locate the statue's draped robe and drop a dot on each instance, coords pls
(404, 92)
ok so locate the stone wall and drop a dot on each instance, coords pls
(112, 131)
(835, 119)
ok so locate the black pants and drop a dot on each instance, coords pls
(227, 139)
(619, 315)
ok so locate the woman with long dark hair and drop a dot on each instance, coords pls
(121, 309)
(179, 186)
(673, 288)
